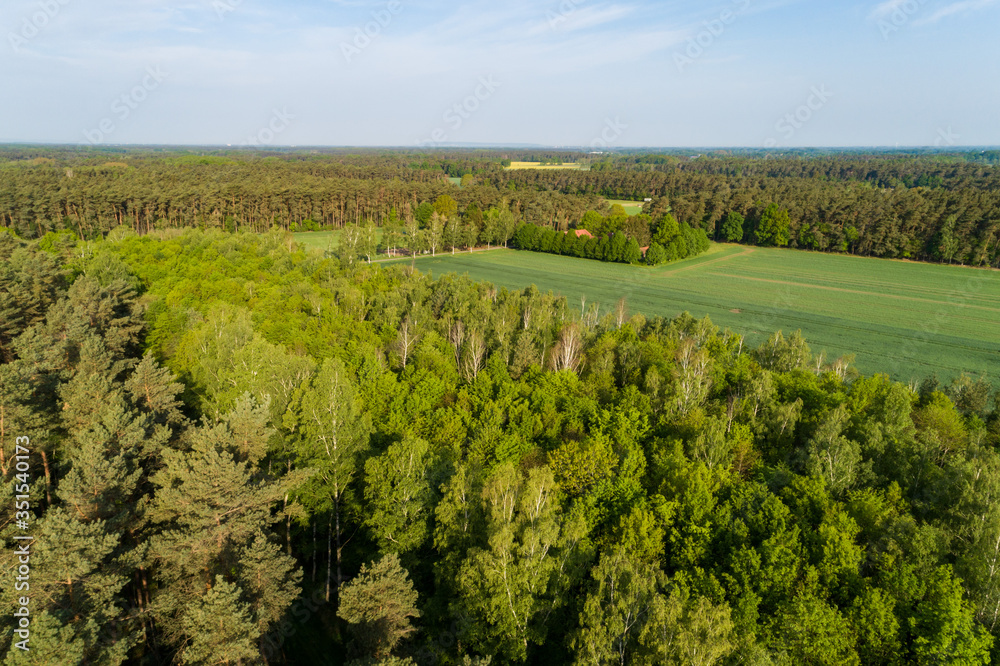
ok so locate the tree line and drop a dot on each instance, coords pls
(617, 238)
(940, 207)
(926, 208)
(243, 453)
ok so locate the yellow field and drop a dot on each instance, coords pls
(538, 165)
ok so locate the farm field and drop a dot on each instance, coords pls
(631, 207)
(908, 320)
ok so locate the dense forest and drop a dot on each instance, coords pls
(241, 453)
(927, 206)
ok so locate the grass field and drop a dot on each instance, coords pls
(905, 319)
(631, 207)
(318, 240)
(538, 165)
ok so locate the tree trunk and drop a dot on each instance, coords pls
(329, 554)
(340, 547)
(288, 528)
(48, 479)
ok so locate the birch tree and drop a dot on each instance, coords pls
(333, 435)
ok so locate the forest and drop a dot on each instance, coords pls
(244, 453)
(617, 239)
(931, 205)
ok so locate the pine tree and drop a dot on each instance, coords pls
(11, 316)
(211, 508)
(247, 430)
(154, 390)
(106, 466)
(219, 628)
(112, 313)
(271, 580)
(379, 604)
(78, 576)
(30, 282)
(92, 385)
(51, 644)
(19, 417)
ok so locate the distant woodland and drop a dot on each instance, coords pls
(245, 454)
(928, 206)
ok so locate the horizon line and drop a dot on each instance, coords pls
(494, 146)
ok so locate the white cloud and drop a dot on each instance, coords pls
(888, 7)
(585, 18)
(964, 7)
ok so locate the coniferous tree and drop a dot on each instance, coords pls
(379, 605)
(154, 390)
(212, 505)
(220, 628)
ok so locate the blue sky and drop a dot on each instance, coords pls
(565, 72)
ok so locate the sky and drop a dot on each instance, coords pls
(567, 73)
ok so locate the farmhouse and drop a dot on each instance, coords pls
(583, 233)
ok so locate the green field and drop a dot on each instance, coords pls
(631, 207)
(318, 240)
(905, 319)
